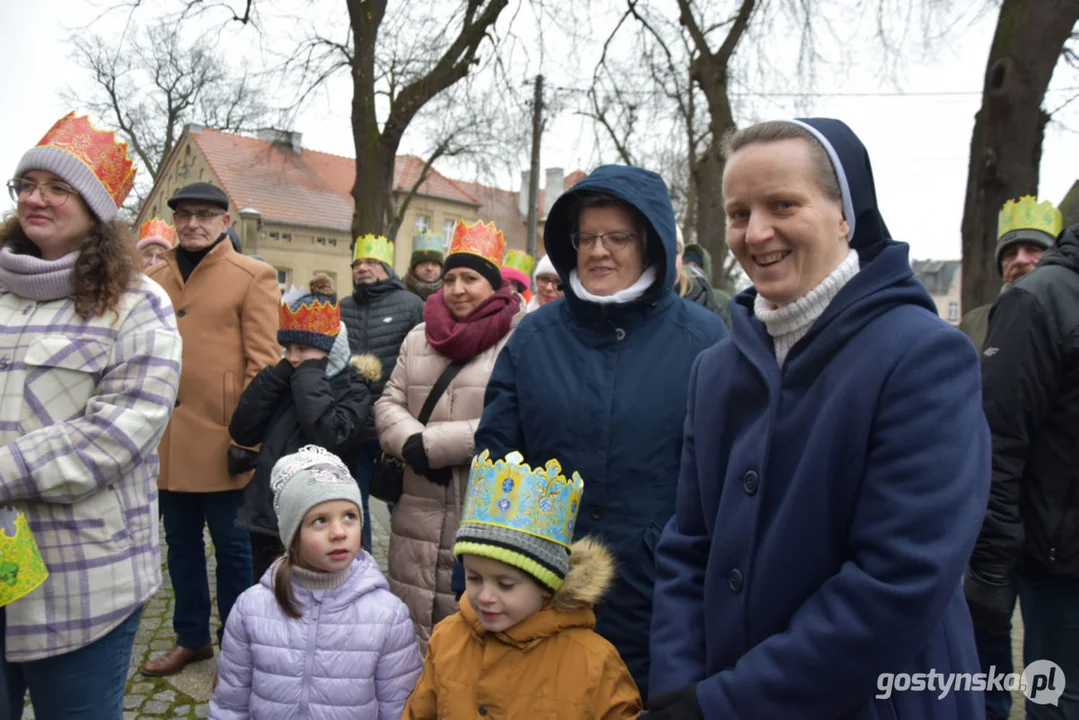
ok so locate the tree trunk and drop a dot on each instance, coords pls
(1006, 147)
(372, 186)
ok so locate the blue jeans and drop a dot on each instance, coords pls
(995, 651)
(363, 463)
(1050, 607)
(85, 684)
(185, 515)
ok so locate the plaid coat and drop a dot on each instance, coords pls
(83, 405)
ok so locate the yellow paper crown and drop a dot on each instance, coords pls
(1027, 213)
(376, 247)
(22, 569)
(519, 260)
(479, 238)
(510, 494)
(158, 228)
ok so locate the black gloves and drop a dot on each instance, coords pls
(415, 456)
(320, 364)
(282, 370)
(680, 704)
(991, 605)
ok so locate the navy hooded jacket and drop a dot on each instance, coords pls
(602, 389)
(826, 510)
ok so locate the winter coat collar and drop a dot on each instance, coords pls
(364, 294)
(364, 578)
(1066, 250)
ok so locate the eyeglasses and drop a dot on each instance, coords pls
(612, 241)
(53, 194)
(182, 217)
(547, 280)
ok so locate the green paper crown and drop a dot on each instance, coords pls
(519, 260)
(22, 569)
(1027, 213)
(375, 247)
(426, 242)
(510, 494)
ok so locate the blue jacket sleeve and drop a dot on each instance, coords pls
(500, 430)
(923, 494)
(677, 643)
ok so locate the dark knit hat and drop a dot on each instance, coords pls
(419, 256)
(482, 265)
(310, 316)
(426, 247)
(200, 192)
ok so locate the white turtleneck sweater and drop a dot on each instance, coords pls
(789, 324)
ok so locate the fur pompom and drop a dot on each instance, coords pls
(321, 284)
(368, 366)
(591, 572)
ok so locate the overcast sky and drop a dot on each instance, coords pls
(918, 142)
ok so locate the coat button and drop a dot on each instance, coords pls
(620, 334)
(181, 312)
(597, 514)
(26, 310)
(749, 482)
(483, 710)
(177, 404)
(734, 579)
(4, 363)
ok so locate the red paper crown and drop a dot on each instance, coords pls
(479, 238)
(158, 228)
(97, 149)
(321, 316)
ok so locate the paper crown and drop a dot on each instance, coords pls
(481, 239)
(510, 494)
(1027, 213)
(426, 242)
(98, 150)
(304, 312)
(22, 569)
(375, 247)
(519, 260)
(158, 228)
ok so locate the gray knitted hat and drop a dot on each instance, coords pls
(75, 173)
(300, 481)
(544, 560)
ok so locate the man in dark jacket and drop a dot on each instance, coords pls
(1029, 543)
(1025, 229)
(598, 380)
(378, 316)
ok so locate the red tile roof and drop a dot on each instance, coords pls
(307, 187)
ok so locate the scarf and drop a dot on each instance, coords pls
(462, 340)
(789, 324)
(187, 260)
(420, 287)
(633, 292)
(36, 279)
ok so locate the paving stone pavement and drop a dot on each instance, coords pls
(187, 694)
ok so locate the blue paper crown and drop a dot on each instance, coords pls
(426, 242)
(510, 494)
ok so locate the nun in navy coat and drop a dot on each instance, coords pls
(835, 469)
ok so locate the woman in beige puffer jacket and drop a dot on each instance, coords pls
(468, 321)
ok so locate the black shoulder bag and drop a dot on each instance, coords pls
(388, 475)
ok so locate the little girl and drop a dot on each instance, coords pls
(523, 643)
(320, 636)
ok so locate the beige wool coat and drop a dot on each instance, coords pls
(227, 312)
(424, 521)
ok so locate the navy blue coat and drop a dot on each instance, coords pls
(826, 511)
(602, 389)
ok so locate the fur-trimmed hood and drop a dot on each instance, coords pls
(369, 366)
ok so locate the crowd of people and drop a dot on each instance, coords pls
(615, 491)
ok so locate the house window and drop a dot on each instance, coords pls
(420, 224)
(284, 275)
(273, 236)
(333, 242)
(447, 231)
(953, 312)
(286, 237)
(320, 241)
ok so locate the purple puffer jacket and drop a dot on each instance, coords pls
(352, 655)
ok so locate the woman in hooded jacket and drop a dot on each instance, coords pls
(835, 468)
(598, 380)
(465, 324)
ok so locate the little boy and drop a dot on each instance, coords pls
(523, 643)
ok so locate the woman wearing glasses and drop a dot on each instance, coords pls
(89, 367)
(599, 380)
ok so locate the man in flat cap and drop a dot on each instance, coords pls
(227, 311)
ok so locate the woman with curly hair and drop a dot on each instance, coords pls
(89, 368)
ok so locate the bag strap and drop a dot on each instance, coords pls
(440, 386)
